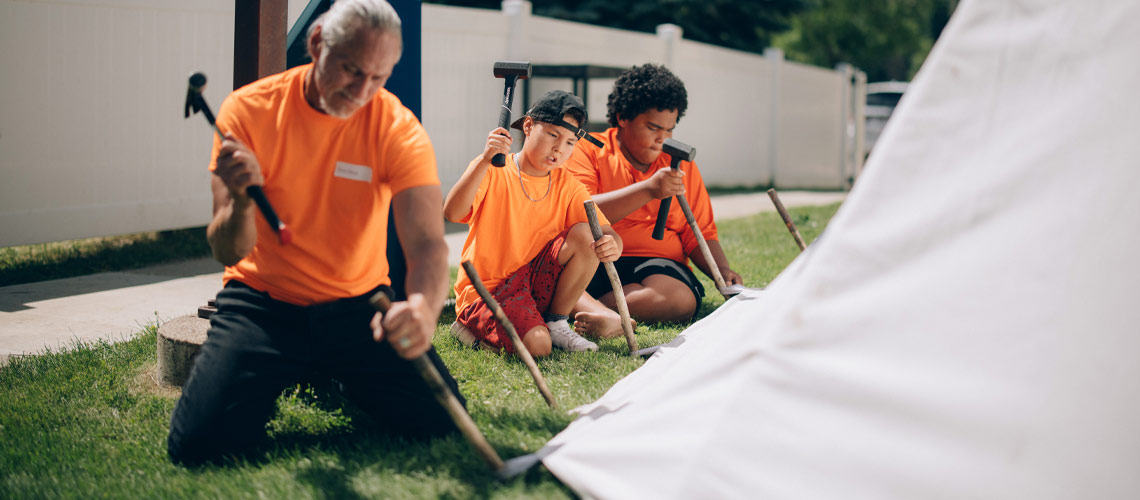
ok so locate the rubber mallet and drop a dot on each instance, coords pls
(195, 103)
(511, 72)
(678, 152)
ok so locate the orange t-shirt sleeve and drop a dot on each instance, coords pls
(581, 165)
(412, 158)
(576, 207)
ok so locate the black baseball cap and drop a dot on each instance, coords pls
(553, 107)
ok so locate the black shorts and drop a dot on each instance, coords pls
(636, 269)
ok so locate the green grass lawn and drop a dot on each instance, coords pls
(92, 422)
(64, 259)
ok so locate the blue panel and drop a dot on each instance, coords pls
(406, 78)
(405, 81)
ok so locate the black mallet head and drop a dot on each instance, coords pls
(678, 150)
(518, 69)
(193, 93)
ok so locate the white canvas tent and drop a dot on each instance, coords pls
(967, 327)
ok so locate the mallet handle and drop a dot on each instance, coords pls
(615, 281)
(500, 159)
(446, 398)
(704, 245)
(663, 212)
(267, 211)
(255, 192)
(787, 218)
(516, 341)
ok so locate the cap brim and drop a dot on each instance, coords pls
(518, 123)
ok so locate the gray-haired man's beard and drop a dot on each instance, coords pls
(343, 111)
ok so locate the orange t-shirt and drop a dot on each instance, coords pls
(606, 169)
(331, 181)
(508, 230)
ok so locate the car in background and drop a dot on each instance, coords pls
(882, 97)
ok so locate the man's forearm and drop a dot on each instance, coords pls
(428, 272)
(232, 233)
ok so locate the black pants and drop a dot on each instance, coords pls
(256, 347)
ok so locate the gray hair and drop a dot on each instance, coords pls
(345, 16)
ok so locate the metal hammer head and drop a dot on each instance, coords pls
(517, 69)
(193, 91)
(678, 150)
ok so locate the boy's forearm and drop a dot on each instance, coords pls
(718, 256)
(462, 194)
(621, 202)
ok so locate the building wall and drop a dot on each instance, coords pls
(92, 137)
(93, 141)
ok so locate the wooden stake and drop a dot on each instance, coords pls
(721, 286)
(615, 282)
(516, 341)
(447, 399)
(787, 218)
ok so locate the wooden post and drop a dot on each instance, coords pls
(615, 281)
(718, 278)
(787, 219)
(259, 39)
(516, 341)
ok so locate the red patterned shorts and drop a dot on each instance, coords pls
(524, 296)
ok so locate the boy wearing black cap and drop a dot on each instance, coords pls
(528, 237)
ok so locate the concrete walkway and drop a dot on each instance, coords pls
(116, 305)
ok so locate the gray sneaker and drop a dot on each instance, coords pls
(464, 335)
(468, 338)
(563, 337)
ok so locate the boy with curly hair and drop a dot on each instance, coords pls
(529, 238)
(629, 176)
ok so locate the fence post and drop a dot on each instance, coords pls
(775, 57)
(669, 34)
(846, 124)
(860, 122)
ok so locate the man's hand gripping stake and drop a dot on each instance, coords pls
(447, 399)
(195, 103)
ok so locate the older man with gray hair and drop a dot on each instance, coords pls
(333, 150)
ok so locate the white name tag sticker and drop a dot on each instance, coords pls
(353, 172)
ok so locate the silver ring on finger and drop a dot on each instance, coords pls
(404, 342)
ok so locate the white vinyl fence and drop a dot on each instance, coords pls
(93, 141)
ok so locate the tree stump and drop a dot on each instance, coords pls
(179, 341)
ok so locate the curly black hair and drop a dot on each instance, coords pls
(643, 87)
